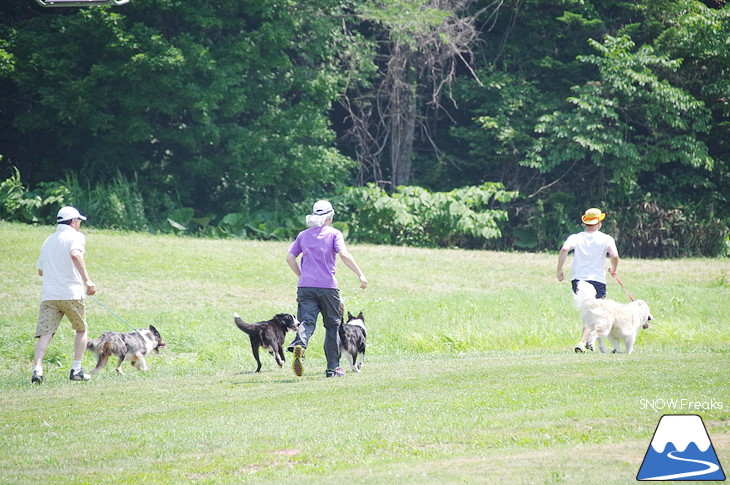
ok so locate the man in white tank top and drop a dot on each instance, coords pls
(590, 248)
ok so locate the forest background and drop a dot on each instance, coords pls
(443, 123)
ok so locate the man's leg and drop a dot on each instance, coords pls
(40, 349)
(585, 340)
(80, 345)
(307, 313)
(75, 311)
(49, 317)
(582, 345)
(332, 310)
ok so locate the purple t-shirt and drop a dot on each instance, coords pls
(319, 247)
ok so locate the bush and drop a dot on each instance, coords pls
(263, 224)
(17, 203)
(465, 217)
(652, 231)
(543, 224)
(115, 205)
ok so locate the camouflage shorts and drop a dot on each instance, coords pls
(51, 312)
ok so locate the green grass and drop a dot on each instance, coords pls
(469, 376)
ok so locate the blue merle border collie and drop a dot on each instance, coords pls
(135, 346)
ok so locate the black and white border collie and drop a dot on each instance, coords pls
(353, 336)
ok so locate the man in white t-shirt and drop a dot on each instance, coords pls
(65, 281)
(590, 248)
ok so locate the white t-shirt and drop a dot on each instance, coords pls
(589, 255)
(61, 279)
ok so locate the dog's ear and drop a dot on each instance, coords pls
(281, 318)
(360, 317)
(349, 316)
(154, 331)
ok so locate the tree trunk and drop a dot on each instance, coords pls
(402, 133)
(417, 57)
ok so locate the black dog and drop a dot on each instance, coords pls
(352, 340)
(269, 335)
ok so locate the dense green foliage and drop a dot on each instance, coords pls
(208, 105)
(416, 217)
(603, 104)
(411, 216)
(230, 109)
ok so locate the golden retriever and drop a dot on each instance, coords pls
(609, 319)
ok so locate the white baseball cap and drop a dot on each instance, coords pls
(322, 207)
(67, 213)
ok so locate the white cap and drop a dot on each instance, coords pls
(322, 207)
(67, 213)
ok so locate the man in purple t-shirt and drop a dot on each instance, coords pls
(317, 290)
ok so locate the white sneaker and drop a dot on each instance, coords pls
(79, 375)
(37, 378)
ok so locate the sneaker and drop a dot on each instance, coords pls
(339, 372)
(79, 375)
(580, 348)
(37, 378)
(298, 364)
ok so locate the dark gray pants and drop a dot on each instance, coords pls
(311, 302)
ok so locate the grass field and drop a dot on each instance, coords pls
(469, 378)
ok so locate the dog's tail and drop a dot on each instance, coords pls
(246, 327)
(342, 332)
(105, 344)
(94, 345)
(585, 294)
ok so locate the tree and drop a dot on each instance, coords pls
(653, 143)
(420, 46)
(218, 106)
(627, 122)
(699, 36)
(527, 63)
(630, 134)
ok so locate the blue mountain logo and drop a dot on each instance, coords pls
(681, 450)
